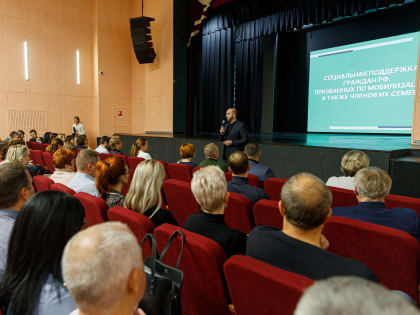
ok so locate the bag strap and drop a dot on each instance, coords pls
(154, 250)
(165, 249)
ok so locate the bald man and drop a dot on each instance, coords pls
(103, 269)
(300, 246)
(233, 134)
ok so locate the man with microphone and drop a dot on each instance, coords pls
(233, 134)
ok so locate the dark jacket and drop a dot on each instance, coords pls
(240, 185)
(237, 133)
(263, 172)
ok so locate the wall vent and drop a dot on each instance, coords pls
(27, 120)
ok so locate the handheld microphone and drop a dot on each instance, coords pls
(223, 122)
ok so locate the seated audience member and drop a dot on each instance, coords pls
(187, 153)
(64, 166)
(144, 195)
(56, 144)
(15, 189)
(52, 136)
(209, 188)
(116, 144)
(103, 269)
(239, 166)
(9, 144)
(81, 142)
(84, 181)
(34, 136)
(372, 185)
(111, 175)
(211, 153)
(252, 151)
(14, 135)
(351, 162)
(20, 153)
(21, 134)
(68, 145)
(103, 145)
(3, 149)
(352, 296)
(300, 247)
(140, 149)
(32, 282)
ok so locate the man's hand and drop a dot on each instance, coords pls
(324, 242)
(227, 143)
(222, 130)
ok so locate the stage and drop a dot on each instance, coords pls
(316, 153)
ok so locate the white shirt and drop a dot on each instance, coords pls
(84, 183)
(80, 130)
(102, 149)
(144, 155)
(344, 182)
(62, 176)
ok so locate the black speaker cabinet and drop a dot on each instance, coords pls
(142, 40)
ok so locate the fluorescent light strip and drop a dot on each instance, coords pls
(25, 54)
(77, 67)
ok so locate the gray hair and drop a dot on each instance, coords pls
(209, 187)
(97, 262)
(351, 296)
(210, 150)
(86, 156)
(353, 161)
(372, 183)
(306, 200)
(17, 152)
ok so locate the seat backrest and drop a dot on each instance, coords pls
(29, 144)
(396, 201)
(95, 208)
(103, 156)
(343, 197)
(238, 213)
(259, 288)
(165, 167)
(36, 157)
(48, 161)
(203, 291)
(181, 201)
(139, 224)
(132, 162)
(63, 188)
(39, 146)
(42, 183)
(273, 187)
(195, 169)
(392, 254)
(180, 172)
(253, 180)
(266, 212)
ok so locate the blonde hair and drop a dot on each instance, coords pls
(353, 161)
(209, 187)
(210, 150)
(372, 183)
(114, 141)
(135, 148)
(145, 188)
(17, 152)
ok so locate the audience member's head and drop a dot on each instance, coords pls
(305, 201)
(145, 188)
(103, 269)
(351, 296)
(211, 151)
(81, 140)
(56, 144)
(372, 184)
(69, 145)
(3, 149)
(209, 188)
(140, 145)
(14, 135)
(187, 150)
(63, 158)
(12, 143)
(238, 163)
(46, 137)
(104, 140)
(43, 227)
(111, 173)
(52, 136)
(86, 161)
(21, 134)
(34, 134)
(115, 143)
(18, 153)
(252, 150)
(353, 161)
(15, 185)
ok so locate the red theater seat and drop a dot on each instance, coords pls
(203, 290)
(95, 208)
(132, 162)
(273, 187)
(36, 157)
(63, 188)
(165, 167)
(343, 197)
(259, 288)
(238, 213)
(253, 180)
(180, 172)
(266, 212)
(42, 183)
(39, 146)
(392, 254)
(181, 201)
(48, 161)
(396, 201)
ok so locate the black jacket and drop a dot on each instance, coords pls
(237, 133)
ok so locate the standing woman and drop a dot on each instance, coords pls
(78, 127)
(140, 149)
(32, 283)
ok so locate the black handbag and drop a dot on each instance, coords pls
(163, 282)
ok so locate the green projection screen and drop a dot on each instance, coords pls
(366, 87)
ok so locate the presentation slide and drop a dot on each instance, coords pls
(366, 87)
